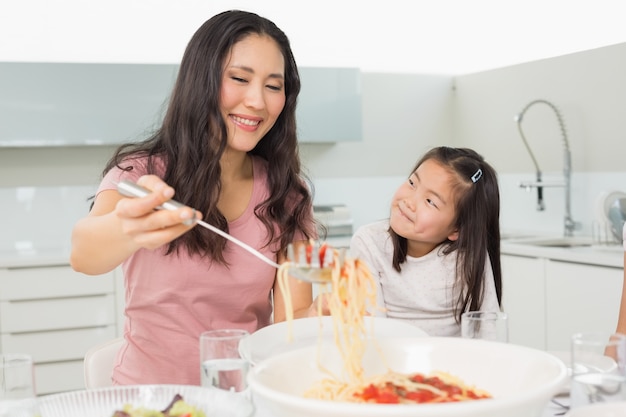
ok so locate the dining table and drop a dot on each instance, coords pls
(555, 408)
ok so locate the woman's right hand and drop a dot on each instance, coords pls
(148, 227)
(117, 227)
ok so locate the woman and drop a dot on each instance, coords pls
(228, 148)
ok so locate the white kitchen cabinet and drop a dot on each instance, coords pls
(580, 298)
(550, 299)
(524, 299)
(104, 104)
(56, 315)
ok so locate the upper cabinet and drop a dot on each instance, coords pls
(65, 104)
(59, 104)
(329, 105)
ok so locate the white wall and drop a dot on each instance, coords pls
(415, 36)
(590, 91)
(406, 109)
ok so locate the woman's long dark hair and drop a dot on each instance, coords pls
(193, 137)
(477, 200)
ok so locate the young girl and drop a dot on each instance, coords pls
(228, 147)
(438, 254)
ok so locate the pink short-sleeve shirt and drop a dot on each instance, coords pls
(171, 299)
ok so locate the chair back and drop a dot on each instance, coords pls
(99, 361)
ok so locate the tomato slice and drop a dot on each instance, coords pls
(322, 253)
(370, 392)
(421, 396)
(387, 397)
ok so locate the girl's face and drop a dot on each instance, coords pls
(423, 208)
(253, 90)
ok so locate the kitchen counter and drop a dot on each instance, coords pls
(612, 256)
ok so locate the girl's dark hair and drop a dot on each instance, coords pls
(477, 200)
(193, 137)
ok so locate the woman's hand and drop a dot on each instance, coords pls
(148, 227)
(117, 227)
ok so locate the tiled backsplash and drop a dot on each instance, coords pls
(42, 217)
(369, 199)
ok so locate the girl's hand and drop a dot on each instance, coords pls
(314, 308)
(145, 225)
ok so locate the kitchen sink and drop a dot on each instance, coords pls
(553, 242)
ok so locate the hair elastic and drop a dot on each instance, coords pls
(477, 175)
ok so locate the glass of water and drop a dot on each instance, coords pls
(598, 368)
(224, 363)
(487, 325)
(16, 376)
(17, 387)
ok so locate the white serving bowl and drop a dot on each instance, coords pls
(520, 379)
(272, 340)
(103, 402)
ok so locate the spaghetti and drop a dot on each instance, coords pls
(349, 293)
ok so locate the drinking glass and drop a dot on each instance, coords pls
(17, 388)
(16, 376)
(488, 325)
(598, 368)
(224, 363)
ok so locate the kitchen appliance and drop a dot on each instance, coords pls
(335, 224)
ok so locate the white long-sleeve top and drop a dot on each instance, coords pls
(423, 293)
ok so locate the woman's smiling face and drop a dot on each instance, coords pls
(423, 208)
(253, 90)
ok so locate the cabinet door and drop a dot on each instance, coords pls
(580, 298)
(51, 282)
(57, 346)
(57, 313)
(80, 104)
(523, 299)
(52, 378)
(329, 105)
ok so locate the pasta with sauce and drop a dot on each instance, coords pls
(350, 291)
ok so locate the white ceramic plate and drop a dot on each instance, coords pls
(272, 339)
(103, 402)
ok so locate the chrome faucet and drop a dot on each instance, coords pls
(568, 223)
